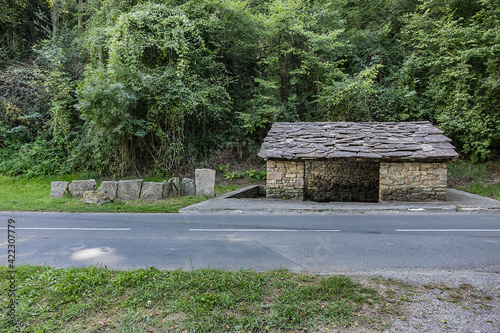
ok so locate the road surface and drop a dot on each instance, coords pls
(320, 243)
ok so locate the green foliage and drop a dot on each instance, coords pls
(352, 99)
(477, 178)
(60, 88)
(21, 26)
(300, 46)
(454, 69)
(24, 104)
(256, 175)
(158, 83)
(38, 158)
(252, 175)
(462, 170)
(136, 87)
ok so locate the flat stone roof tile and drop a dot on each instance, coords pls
(384, 141)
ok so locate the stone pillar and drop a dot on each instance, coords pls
(285, 179)
(205, 182)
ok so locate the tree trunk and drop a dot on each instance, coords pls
(55, 19)
(80, 14)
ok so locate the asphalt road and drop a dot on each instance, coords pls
(326, 243)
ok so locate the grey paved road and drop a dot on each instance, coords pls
(329, 243)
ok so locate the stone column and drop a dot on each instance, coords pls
(285, 179)
(205, 182)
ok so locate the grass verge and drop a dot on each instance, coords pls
(33, 194)
(480, 178)
(96, 299)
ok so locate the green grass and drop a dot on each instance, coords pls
(149, 300)
(461, 170)
(478, 178)
(492, 190)
(33, 194)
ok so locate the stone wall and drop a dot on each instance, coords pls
(412, 182)
(252, 191)
(138, 189)
(285, 179)
(328, 180)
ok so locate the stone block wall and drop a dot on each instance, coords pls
(285, 179)
(137, 189)
(412, 182)
(253, 191)
(328, 180)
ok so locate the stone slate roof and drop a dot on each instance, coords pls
(387, 141)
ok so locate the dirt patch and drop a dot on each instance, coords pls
(465, 302)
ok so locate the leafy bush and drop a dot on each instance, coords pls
(37, 158)
(157, 82)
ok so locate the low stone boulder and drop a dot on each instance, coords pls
(205, 182)
(152, 191)
(187, 187)
(171, 188)
(109, 188)
(78, 187)
(129, 189)
(96, 197)
(59, 189)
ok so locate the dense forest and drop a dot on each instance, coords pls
(130, 87)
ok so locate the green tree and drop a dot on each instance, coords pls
(454, 70)
(151, 81)
(299, 49)
(22, 24)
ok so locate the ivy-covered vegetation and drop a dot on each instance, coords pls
(136, 86)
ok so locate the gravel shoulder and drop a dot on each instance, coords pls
(460, 301)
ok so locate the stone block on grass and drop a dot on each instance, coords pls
(152, 191)
(129, 189)
(78, 187)
(171, 188)
(96, 197)
(205, 182)
(187, 187)
(59, 189)
(109, 188)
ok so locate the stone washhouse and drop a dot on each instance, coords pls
(366, 162)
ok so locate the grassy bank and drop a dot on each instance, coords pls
(96, 299)
(482, 179)
(33, 194)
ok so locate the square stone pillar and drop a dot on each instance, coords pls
(205, 182)
(285, 179)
